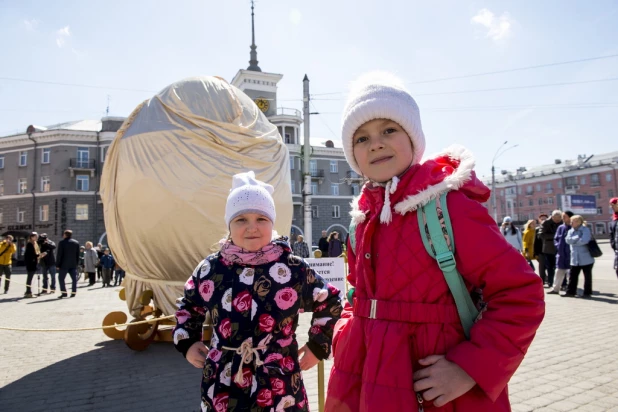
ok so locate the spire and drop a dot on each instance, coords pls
(253, 63)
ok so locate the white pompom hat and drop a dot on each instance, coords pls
(249, 195)
(380, 95)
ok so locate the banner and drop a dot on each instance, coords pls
(332, 270)
(579, 204)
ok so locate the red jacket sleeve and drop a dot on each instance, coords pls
(513, 293)
(346, 314)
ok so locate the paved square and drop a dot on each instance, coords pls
(572, 364)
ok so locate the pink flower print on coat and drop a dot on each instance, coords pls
(225, 328)
(264, 398)
(189, 284)
(207, 288)
(220, 402)
(183, 316)
(214, 355)
(242, 302)
(287, 329)
(278, 386)
(285, 342)
(273, 357)
(287, 364)
(285, 403)
(267, 323)
(247, 378)
(285, 298)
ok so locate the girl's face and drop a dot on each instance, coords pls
(251, 231)
(382, 149)
(576, 223)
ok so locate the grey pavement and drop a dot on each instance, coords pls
(572, 364)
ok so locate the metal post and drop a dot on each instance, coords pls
(493, 192)
(321, 398)
(306, 172)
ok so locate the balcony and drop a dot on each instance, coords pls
(549, 191)
(82, 165)
(571, 189)
(286, 111)
(317, 175)
(352, 177)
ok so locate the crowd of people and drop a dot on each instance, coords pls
(44, 257)
(561, 244)
(329, 245)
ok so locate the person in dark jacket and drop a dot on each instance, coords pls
(613, 233)
(548, 231)
(108, 263)
(563, 255)
(538, 249)
(48, 263)
(323, 244)
(67, 260)
(99, 250)
(335, 246)
(31, 258)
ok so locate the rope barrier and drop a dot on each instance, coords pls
(31, 286)
(91, 328)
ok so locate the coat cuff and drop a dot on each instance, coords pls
(484, 365)
(184, 345)
(317, 350)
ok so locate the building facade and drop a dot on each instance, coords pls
(524, 194)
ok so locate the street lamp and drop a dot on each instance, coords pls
(499, 153)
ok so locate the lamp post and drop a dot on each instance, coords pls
(493, 176)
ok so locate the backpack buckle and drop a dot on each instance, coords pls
(372, 311)
(446, 261)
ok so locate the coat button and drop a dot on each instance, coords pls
(367, 256)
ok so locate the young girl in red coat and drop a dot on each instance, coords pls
(401, 345)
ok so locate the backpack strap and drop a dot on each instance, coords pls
(352, 234)
(437, 235)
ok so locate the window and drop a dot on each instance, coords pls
(1, 162)
(81, 212)
(570, 181)
(334, 190)
(1, 216)
(610, 193)
(336, 211)
(21, 215)
(334, 166)
(44, 213)
(597, 195)
(550, 200)
(45, 184)
(538, 188)
(82, 183)
(502, 193)
(599, 210)
(599, 228)
(293, 186)
(315, 212)
(559, 184)
(355, 190)
(291, 162)
(529, 190)
(22, 186)
(530, 202)
(104, 153)
(521, 204)
(540, 201)
(1, 187)
(288, 138)
(549, 188)
(313, 166)
(23, 158)
(314, 189)
(594, 179)
(45, 156)
(83, 155)
(582, 180)
(519, 189)
(608, 177)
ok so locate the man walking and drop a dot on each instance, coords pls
(563, 249)
(300, 247)
(548, 232)
(613, 233)
(538, 249)
(323, 244)
(67, 261)
(48, 263)
(7, 249)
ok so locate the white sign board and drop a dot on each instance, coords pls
(332, 270)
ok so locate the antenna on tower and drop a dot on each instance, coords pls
(253, 63)
(107, 109)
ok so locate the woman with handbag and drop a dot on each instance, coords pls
(578, 238)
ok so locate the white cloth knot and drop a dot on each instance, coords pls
(386, 215)
(247, 353)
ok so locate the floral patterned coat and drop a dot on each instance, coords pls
(258, 307)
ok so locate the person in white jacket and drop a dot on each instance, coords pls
(512, 233)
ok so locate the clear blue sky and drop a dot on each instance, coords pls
(147, 45)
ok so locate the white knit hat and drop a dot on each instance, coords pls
(249, 195)
(380, 95)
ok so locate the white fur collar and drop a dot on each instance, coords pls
(452, 182)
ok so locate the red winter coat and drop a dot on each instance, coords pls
(376, 358)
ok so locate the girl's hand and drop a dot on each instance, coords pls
(441, 381)
(196, 355)
(309, 360)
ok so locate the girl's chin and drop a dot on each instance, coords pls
(254, 245)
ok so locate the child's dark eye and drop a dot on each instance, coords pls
(361, 139)
(390, 130)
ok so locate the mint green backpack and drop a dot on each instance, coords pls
(437, 234)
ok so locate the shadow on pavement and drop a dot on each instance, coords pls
(110, 377)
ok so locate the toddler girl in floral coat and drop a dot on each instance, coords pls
(254, 289)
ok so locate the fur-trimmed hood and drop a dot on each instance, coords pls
(450, 170)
